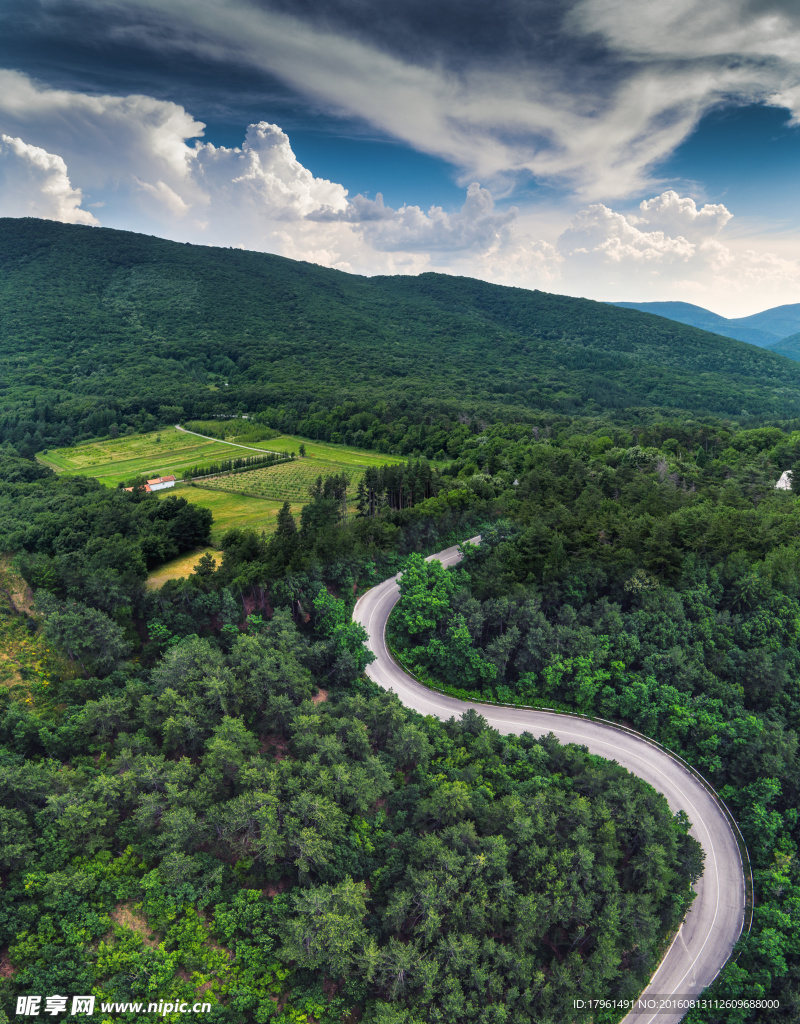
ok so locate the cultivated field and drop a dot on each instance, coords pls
(249, 500)
(342, 455)
(166, 452)
(318, 451)
(288, 481)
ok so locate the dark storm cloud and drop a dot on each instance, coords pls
(450, 30)
(72, 46)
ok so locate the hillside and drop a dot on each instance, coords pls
(767, 329)
(789, 347)
(104, 330)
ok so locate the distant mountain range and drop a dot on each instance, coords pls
(777, 329)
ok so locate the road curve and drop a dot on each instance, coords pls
(714, 923)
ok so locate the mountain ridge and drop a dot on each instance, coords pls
(115, 320)
(766, 329)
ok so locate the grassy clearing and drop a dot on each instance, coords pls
(234, 510)
(179, 568)
(338, 454)
(165, 452)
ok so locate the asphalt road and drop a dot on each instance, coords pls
(714, 922)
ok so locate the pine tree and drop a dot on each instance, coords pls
(287, 527)
(362, 500)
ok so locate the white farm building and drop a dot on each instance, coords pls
(160, 483)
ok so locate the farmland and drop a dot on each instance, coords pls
(249, 500)
(288, 481)
(166, 452)
(233, 511)
(317, 451)
(239, 432)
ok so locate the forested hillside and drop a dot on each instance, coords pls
(106, 331)
(766, 329)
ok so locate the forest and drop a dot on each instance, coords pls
(201, 792)
(189, 809)
(106, 332)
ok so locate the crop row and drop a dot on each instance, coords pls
(290, 482)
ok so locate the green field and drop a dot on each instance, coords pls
(318, 451)
(341, 454)
(179, 568)
(234, 510)
(289, 481)
(166, 452)
(247, 500)
(230, 511)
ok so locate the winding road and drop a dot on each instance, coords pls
(714, 923)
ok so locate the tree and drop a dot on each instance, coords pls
(426, 591)
(286, 527)
(88, 635)
(328, 930)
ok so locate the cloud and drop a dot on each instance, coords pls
(672, 249)
(35, 183)
(588, 95)
(103, 139)
(676, 214)
(476, 227)
(265, 174)
(669, 229)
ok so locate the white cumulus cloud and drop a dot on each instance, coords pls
(672, 249)
(35, 183)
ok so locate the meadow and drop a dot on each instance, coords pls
(166, 452)
(233, 510)
(242, 432)
(317, 451)
(180, 567)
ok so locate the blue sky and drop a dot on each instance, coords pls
(619, 149)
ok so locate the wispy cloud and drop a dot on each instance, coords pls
(589, 95)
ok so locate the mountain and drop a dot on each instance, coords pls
(764, 329)
(789, 347)
(99, 325)
(780, 320)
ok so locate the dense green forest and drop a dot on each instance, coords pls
(201, 792)
(202, 817)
